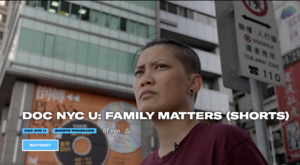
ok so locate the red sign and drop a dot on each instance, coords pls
(247, 38)
(256, 7)
(289, 100)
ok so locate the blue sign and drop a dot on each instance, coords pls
(40, 145)
(34, 130)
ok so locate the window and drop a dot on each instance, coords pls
(93, 55)
(104, 19)
(95, 16)
(191, 14)
(64, 8)
(49, 45)
(71, 50)
(60, 46)
(43, 5)
(28, 3)
(151, 31)
(183, 12)
(202, 18)
(122, 65)
(53, 8)
(131, 63)
(113, 59)
(212, 22)
(75, 11)
(37, 42)
(85, 13)
(163, 5)
(131, 27)
(103, 57)
(25, 39)
(82, 52)
(115, 22)
(2, 18)
(172, 8)
(123, 24)
(207, 83)
(142, 30)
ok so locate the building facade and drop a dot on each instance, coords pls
(79, 56)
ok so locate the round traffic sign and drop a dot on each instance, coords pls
(247, 38)
(257, 8)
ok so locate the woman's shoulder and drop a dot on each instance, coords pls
(223, 132)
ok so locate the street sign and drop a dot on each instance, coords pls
(257, 41)
(228, 48)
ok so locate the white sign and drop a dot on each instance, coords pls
(257, 41)
(287, 16)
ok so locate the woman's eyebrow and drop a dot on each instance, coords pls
(152, 63)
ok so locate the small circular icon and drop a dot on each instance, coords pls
(257, 8)
(247, 38)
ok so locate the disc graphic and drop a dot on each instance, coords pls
(82, 148)
(124, 136)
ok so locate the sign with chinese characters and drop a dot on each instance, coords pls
(289, 100)
(257, 41)
(287, 15)
(85, 149)
(291, 57)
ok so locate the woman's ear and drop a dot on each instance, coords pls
(195, 82)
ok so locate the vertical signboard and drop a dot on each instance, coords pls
(288, 100)
(120, 146)
(257, 41)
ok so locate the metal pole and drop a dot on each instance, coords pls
(272, 146)
(260, 125)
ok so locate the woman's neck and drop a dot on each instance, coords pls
(171, 131)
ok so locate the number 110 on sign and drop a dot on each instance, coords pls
(277, 77)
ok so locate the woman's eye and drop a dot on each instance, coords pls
(161, 66)
(138, 72)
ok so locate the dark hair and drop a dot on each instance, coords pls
(187, 56)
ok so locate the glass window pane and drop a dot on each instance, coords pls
(53, 8)
(172, 8)
(82, 52)
(71, 50)
(163, 6)
(42, 5)
(113, 59)
(150, 4)
(49, 45)
(85, 13)
(64, 8)
(93, 55)
(37, 42)
(75, 11)
(25, 39)
(132, 27)
(104, 19)
(212, 22)
(151, 31)
(191, 14)
(103, 57)
(123, 66)
(132, 63)
(30, 3)
(142, 30)
(60, 47)
(115, 22)
(95, 17)
(203, 18)
(123, 24)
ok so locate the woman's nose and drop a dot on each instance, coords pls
(147, 79)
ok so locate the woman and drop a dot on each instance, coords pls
(167, 80)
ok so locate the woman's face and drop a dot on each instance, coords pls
(161, 83)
